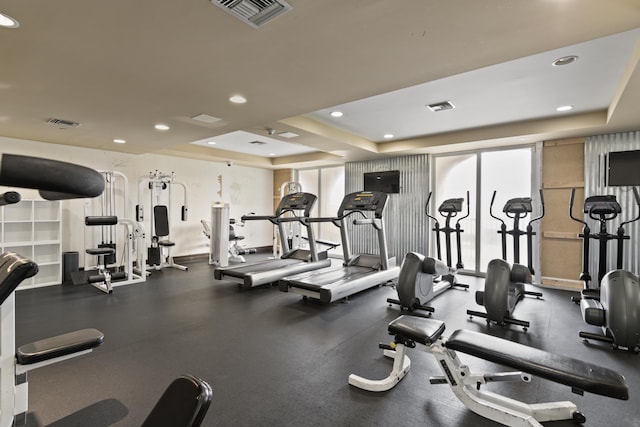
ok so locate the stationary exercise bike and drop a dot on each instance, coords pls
(505, 283)
(614, 302)
(423, 278)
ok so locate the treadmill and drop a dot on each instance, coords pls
(359, 271)
(292, 261)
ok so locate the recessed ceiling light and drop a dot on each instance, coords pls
(565, 60)
(388, 135)
(120, 141)
(337, 114)
(238, 99)
(211, 142)
(565, 108)
(161, 126)
(272, 154)
(8, 22)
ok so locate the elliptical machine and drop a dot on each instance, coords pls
(423, 278)
(505, 283)
(614, 302)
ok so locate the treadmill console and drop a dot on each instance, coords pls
(366, 201)
(297, 202)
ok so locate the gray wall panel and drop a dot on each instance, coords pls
(405, 221)
(596, 148)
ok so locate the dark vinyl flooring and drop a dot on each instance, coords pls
(274, 360)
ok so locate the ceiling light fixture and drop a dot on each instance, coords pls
(337, 114)
(238, 99)
(272, 154)
(7, 21)
(161, 126)
(565, 108)
(565, 60)
(119, 141)
(388, 135)
(211, 143)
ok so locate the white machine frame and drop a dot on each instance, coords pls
(155, 182)
(132, 237)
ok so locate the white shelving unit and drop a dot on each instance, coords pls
(32, 229)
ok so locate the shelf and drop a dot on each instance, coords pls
(32, 229)
(567, 235)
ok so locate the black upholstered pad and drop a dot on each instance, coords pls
(183, 404)
(58, 346)
(419, 329)
(100, 251)
(561, 369)
(13, 270)
(166, 243)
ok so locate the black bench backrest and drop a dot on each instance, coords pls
(575, 373)
(13, 270)
(161, 220)
(183, 404)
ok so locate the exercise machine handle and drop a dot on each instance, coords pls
(468, 210)
(9, 198)
(542, 206)
(493, 199)
(637, 197)
(573, 194)
(426, 209)
(54, 179)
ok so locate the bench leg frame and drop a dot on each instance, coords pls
(466, 387)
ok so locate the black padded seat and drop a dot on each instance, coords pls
(574, 373)
(183, 404)
(101, 251)
(166, 243)
(419, 329)
(61, 345)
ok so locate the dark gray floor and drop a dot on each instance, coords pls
(273, 360)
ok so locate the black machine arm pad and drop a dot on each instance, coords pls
(55, 179)
(9, 198)
(13, 270)
(59, 346)
(554, 367)
(418, 329)
(101, 220)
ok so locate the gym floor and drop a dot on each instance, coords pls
(274, 360)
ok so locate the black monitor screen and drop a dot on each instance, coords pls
(386, 182)
(624, 168)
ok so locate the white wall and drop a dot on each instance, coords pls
(246, 189)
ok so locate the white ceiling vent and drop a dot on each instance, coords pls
(63, 124)
(254, 12)
(441, 106)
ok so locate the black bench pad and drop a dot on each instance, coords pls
(554, 367)
(419, 329)
(58, 346)
(100, 251)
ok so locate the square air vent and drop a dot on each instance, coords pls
(254, 12)
(62, 124)
(441, 106)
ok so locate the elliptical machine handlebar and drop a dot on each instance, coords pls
(493, 199)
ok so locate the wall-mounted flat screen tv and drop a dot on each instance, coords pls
(386, 182)
(623, 168)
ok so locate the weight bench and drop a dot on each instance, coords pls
(13, 270)
(577, 374)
